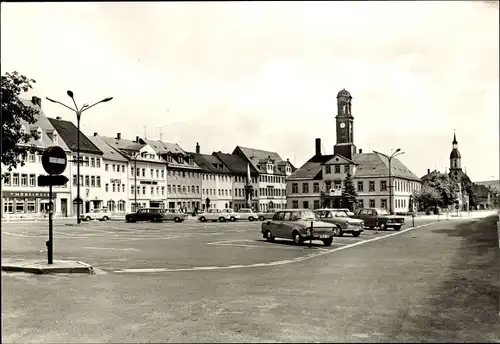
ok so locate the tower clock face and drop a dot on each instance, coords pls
(342, 125)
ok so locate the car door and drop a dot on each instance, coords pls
(371, 218)
(277, 224)
(289, 223)
(362, 215)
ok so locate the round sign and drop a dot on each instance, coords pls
(456, 207)
(54, 160)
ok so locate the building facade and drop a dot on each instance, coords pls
(320, 181)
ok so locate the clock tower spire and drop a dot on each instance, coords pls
(344, 125)
(455, 160)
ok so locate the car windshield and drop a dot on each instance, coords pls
(340, 214)
(308, 215)
(382, 212)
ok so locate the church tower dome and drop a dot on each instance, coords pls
(455, 160)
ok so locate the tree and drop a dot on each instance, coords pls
(349, 193)
(14, 112)
(427, 197)
(468, 187)
(444, 191)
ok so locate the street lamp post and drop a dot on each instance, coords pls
(389, 157)
(78, 112)
(135, 181)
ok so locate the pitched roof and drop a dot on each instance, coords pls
(69, 133)
(480, 190)
(376, 165)
(257, 156)
(161, 147)
(493, 184)
(109, 153)
(312, 169)
(430, 175)
(235, 163)
(124, 145)
(206, 162)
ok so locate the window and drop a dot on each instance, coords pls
(295, 188)
(74, 180)
(157, 173)
(92, 162)
(30, 207)
(346, 168)
(132, 189)
(361, 203)
(372, 203)
(114, 168)
(305, 204)
(86, 161)
(131, 171)
(6, 180)
(98, 162)
(98, 181)
(183, 189)
(383, 185)
(162, 173)
(106, 187)
(143, 190)
(337, 168)
(32, 180)
(197, 189)
(40, 158)
(31, 157)
(316, 204)
(295, 204)
(92, 181)
(305, 187)
(152, 190)
(123, 187)
(114, 187)
(163, 191)
(152, 173)
(121, 205)
(106, 167)
(316, 187)
(24, 180)
(87, 180)
(360, 186)
(169, 189)
(371, 185)
(138, 172)
(383, 203)
(338, 185)
(9, 207)
(328, 169)
(19, 207)
(144, 172)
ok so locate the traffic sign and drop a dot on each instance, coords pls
(77, 201)
(44, 180)
(54, 160)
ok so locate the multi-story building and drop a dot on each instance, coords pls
(272, 173)
(216, 182)
(114, 176)
(147, 177)
(22, 197)
(92, 192)
(320, 181)
(183, 175)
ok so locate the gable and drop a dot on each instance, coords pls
(338, 159)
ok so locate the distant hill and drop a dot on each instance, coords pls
(494, 184)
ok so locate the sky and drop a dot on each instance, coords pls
(265, 75)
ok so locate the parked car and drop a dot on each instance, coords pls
(145, 214)
(295, 224)
(96, 214)
(214, 215)
(247, 214)
(381, 218)
(343, 223)
(266, 215)
(173, 215)
(231, 214)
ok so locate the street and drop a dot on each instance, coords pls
(221, 282)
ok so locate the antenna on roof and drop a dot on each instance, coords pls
(145, 132)
(323, 146)
(161, 132)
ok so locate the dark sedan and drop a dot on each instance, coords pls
(145, 214)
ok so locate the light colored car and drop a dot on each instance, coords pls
(214, 215)
(343, 223)
(247, 214)
(266, 215)
(296, 224)
(173, 215)
(232, 215)
(96, 214)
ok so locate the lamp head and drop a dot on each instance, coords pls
(106, 99)
(397, 150)
(69, 93)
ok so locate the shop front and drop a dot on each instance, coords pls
(30, 204)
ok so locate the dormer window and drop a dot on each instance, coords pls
(54, 138)
(39, 134)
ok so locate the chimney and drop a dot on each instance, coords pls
(39, 102)
(318, 146)
(360, 151)
(95, 134)
(197, 148)
(34, 100)
(428, 171)
(137, 139)
(118, 136)
(59, 118)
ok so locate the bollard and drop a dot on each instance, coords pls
(310, 235)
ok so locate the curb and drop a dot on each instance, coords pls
(84, 269)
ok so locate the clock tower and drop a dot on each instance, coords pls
(344, 126)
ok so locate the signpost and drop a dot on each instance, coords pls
(54, 162)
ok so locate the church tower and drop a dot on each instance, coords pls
(455, 161)
(344, 126)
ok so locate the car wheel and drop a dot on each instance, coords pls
(222, 219)
(382, 226)
(176, 219)
(338, 231)
(105, 218)
(203, 219)
(328, 242)
(297, 238)
(250, 219)
(262, 218)
(88, 218)
(356, 234)
(269, 236)
(397, 228)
